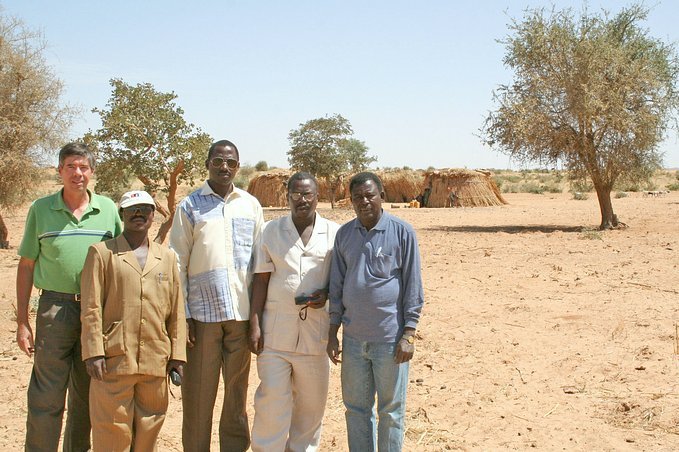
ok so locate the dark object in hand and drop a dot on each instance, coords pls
(303, 299)
(175, 378)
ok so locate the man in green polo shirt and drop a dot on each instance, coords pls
(59, 230)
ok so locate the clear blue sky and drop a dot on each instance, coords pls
(414, 78)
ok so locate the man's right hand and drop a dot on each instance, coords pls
(333, 349)
(256, 341)
(96, 367)
(191, 336)
(25, 338)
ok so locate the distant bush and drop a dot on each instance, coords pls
(262, 166)
(673, 186)
(580, 196)
(621, 194)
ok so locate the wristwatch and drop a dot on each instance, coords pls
(410, 339)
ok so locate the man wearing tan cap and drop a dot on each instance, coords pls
(133, 330)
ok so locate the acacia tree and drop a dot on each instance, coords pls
(145, 135)
(324, 148)
(595, 92)
(33, 120)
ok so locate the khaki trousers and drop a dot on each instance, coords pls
(127, 412)
(219, 346)
(57, 365)
(290, 401)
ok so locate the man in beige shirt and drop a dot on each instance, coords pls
(289, 323)
(130, 342)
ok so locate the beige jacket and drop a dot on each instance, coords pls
(132, 316)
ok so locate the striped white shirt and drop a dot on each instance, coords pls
(213, 238)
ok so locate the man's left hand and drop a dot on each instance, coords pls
(404, 351)
(176, 365)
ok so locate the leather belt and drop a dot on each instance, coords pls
(74, 297)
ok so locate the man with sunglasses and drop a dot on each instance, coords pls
(59, 229)
(134, 331)
(289, 323)
(213, 234)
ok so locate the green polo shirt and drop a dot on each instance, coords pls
(58, 242)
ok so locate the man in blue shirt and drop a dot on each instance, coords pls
(376, 295)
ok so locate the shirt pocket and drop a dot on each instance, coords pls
(114, 340)
(381, 266)
(243, 232)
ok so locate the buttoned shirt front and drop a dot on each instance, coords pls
(296, 269)
(132, 316)
(214, 238)
(375, 280)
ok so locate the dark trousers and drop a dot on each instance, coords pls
(58, 366)
(219, 346)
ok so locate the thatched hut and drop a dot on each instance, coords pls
(471, 188)
(270, 188)
(401, 185)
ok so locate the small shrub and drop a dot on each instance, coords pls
(580, 196)
(591, 234)
(262, 166)
(532, 187)
(621, 194)
(673, 186)
(553, 188)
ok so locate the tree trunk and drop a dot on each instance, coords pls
(331, 189)
(608, 219)
(4, 243)
(171, 204)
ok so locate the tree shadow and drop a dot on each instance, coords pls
(509, 229)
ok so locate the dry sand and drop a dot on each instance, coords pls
(534, 333)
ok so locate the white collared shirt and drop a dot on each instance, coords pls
(213, 238)
(295, 270)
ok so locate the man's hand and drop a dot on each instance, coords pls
(333, 349)
(176, 365)
(96, 367)
(191, 332)
(25, 338)
(318, 299)
(405, 349)
(255, 339)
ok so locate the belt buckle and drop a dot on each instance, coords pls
(76, 297)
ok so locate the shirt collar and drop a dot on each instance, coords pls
(206, 190)
(59, 204)
(380, 226)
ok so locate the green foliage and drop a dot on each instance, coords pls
(595, 92)
(262, 166)
(324, 147)
(673, 186)
(144, 134)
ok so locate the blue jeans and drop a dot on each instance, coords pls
(368, 368)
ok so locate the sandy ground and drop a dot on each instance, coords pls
(536, 333)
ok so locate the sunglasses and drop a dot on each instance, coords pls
(217, 162)
(142, 208)
(308, 197)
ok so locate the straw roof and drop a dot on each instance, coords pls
(401, 185)
(472, 188)
(270, 188)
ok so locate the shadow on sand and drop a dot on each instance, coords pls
(509, 229)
